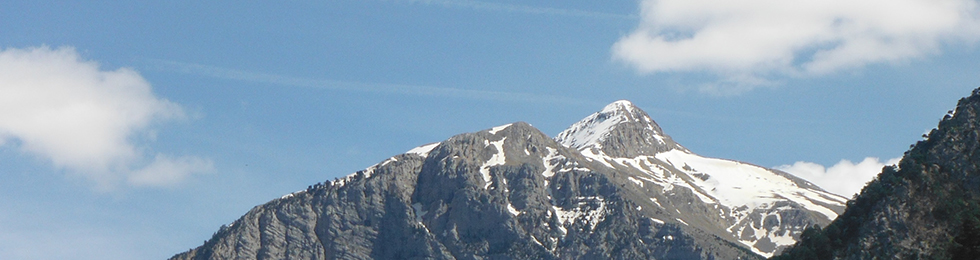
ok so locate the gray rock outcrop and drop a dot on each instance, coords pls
(613, 186)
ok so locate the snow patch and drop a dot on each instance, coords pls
(736, 184)
(654, 200)
(599, 157)
(498, 158)
(291, 195)
(493, 131)
(634, 180)
(419, 213)
(591, 209)
(340, 182)
(386, 162)
(551, 161)
(512, 210)
(536, 240)
(423, 150)
(682, 221)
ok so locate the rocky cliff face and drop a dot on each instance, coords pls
(611, 186)
(926, 208)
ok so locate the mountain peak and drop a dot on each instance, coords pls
(620, 129)
(511, 192)
(620, 105)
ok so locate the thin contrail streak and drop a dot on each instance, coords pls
(382, 88)
(417, 90)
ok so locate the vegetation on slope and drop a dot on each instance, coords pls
(926, 208)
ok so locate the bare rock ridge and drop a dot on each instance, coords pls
(928, 207)
(613, 185)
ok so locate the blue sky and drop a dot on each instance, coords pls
(186, 114)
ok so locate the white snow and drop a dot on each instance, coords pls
(370, 170)
(291, 195)
(550, 162)
(536, 240)
(498, 158)
(735, 188)
(512, 210)
(682, 221)
(390, 160)
(736, 184)
(785, 240)
(600, 156)
(419, 213)
(423, 150)
(583, 211)
(561, 227)
(634, 180)
(595, 127)
(654, 200)
(493, 131)
(739, 187)
(591, 131)
(564, 215)
(340, 182)
(658, 175)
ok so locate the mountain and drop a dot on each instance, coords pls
(763, 209)
(612, 185)
(928, 207)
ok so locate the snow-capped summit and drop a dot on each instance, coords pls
(618, 130)
(613, 184)
(623, 137)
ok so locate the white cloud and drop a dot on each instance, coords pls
(83, 119)
(748, 39)
(165, 170)
(845, 178)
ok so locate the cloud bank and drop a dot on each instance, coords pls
(66, 110)
(745, 42)
(845, 178)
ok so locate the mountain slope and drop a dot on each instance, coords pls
(611, 186)
(926, 208)
(764, 209)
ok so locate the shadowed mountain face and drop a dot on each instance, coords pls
(612, 186)
(926, 208)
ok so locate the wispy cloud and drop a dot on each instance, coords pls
(335, 85)
(845, 178)
(512, 8)
(747, 43)
(81, 118)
